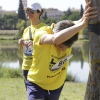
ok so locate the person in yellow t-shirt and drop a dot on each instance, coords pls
(51, 56)
(33, 13)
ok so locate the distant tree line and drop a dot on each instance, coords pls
(18, 21)
(10, 21)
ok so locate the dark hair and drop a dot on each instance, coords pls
(62, 25)
(41, 12)
(71, 41)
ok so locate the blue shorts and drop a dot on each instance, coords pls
(36, 92)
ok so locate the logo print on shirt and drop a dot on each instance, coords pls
(60, 63)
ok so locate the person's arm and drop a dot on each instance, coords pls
(78, 21)
(86, 1)
(67, 33)
(21, 42)
(61, 36)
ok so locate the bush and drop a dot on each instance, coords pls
(6, 72)
(10, 73)
(70, 78)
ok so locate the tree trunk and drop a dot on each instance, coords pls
(93, 84)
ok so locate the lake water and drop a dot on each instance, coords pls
(78, 67)
(74, 68)
(80, 73)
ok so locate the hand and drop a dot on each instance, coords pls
(21, 41)
(28, 43)
(89, 13)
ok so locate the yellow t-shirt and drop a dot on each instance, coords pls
(27, 52)
(44, 58)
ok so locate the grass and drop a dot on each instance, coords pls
(73, 91)
(14, 89)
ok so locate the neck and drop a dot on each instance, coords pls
(35, 22)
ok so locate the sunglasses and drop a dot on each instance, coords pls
(31, 11)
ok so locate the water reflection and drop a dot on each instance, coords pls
(10, 55)
(81, 74)
(78, 66)
(11, 64)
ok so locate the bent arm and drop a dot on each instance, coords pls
(65, 34)
(61, 36)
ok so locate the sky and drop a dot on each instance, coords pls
(62, 5)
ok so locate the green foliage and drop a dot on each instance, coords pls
(48, 21)
(28, 23)
(81, 11)
(74, 16)
(8, 21)
(63, 17)
(70, 78)
(68, 13)
(13, 21)
(21, 25)
(21, 12)
(10, 73)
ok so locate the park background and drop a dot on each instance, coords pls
(12, 24)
